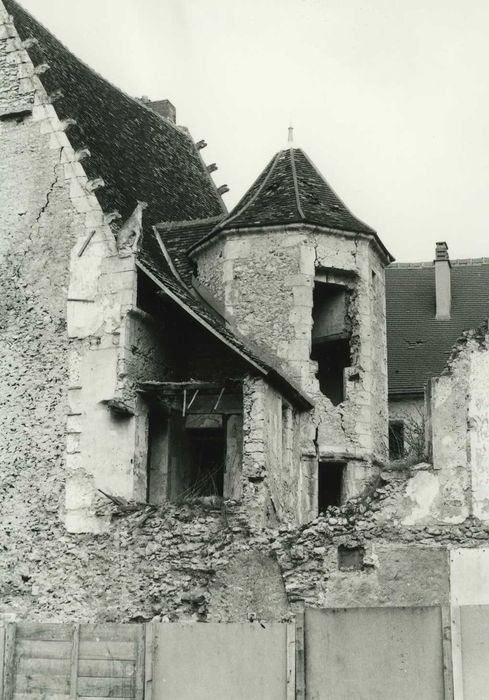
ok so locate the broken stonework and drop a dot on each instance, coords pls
(202, 562)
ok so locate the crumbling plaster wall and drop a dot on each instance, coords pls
(64, 306)
(266, 280)
(455, 485)
(39, 226)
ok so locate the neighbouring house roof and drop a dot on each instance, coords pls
(141, 157)
(291, 190)
(418, 344)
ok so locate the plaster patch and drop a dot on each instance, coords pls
(422, 489)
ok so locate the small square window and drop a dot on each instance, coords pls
(350, 558)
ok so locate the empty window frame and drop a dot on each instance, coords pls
(186, 462)
(206, 453)
(331, 338)
(330, 484)
(350, 558)
(396, 439)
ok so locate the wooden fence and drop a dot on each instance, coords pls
(60, 662)
(346, 654)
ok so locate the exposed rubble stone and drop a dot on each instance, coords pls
(193, 562)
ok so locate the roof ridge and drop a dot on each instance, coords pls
(188, 223)
(156, 117)
(319, 173)
(252, 199)
(296, 184)
(462, 262)
(406, 265)
(181, 130)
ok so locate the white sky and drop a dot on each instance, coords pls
(390, 98)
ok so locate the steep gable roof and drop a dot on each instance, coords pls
(139, 155)
(418, 344)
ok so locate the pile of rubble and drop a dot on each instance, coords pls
(163, 563)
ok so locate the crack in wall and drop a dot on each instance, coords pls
(50, 190)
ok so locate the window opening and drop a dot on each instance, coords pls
(330, 484)
(331, 333)
(350, 558)
(396, 439)
(207, 450)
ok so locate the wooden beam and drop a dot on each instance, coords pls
(204, 404)
(74, 662)
(140, 662)
(9, 662)
(190, 384)
(446, 630)
(300, 659)
(149, 660)
(291, 659)
(2, 654)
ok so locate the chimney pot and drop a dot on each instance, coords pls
(443, 287)
(441, 251)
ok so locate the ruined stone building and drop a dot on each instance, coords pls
(194, 402)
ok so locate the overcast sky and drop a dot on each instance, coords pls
(390, 98)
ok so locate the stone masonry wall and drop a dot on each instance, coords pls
(267, 285)
(38, 227)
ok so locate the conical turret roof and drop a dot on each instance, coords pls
(292, 190)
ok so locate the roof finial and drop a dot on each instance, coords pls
(291, 136)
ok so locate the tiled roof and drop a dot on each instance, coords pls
(141, 157)
(418, 344)
(291, 190)
(138, 154)
(152, 260)
(178, 237)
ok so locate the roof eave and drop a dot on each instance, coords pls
(221, 230)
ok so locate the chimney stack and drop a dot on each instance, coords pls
(162, 107)
(442, 281)
(165, 109)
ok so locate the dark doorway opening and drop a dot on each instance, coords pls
(207, 454)
(330, 484)
(396, 439)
